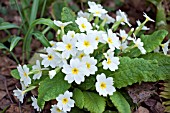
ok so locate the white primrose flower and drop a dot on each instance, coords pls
(96, 9)
(86, 43)
(157, 50)
(123, 35)
(91, 67)
(122, 16)
(144, 27)
(52, 73)
(55, 109)
(71, 34)
(123, 46)
(24, 74)
(80, 55)
(139, 44)
(147, 17)
(108, 18)
(83, 24)
(112, 40)
(83, 14)
(61, 24)
(39, 70)
(34, 104)
(67, 47)
(104, 86)
(19, 94)
(74, 71)
(52, 58)
(53, 44)
(65, 102)
(98, 35)
(165, 47)
(111, 62)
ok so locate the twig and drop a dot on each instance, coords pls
(4, 78)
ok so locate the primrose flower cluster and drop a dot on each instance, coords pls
(74, 55)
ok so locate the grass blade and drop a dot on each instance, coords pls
(14, 42)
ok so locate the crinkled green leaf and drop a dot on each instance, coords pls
(15, 74)
(88, 83)
(93, 102)
(120, 102)
(151, 42)
(163, 71)
(132, 71)
(50, 88)
(7, 25)
(56, 9)
(68, 15)
(14, 42)
(42, 38)
(78, 97)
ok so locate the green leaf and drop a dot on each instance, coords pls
(88, 83)
(151, 42)
(7, 25)
(50, 88)
(163, 71)
(120, 102)
(15, 74)
(34, 11)
(93, 102)
(132, 71)
(78, 98)
(66, 16)
(2, 46)
(42, 38)
(14, 42)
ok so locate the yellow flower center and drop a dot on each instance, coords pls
(110, 40)
(162, 45)
(86, 43)
(103, 85)
(97, 38)
(25, 74)
(68, 46)
(64, 100)
(109, 61)
(123, 38)
(81, 55)
(97, 12)
(58, 110)
(50, 57)
(52, 45)
(88, 65)
(75, 71)
(83, 26)
(72, 35)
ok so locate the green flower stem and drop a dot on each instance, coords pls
(102, 25)
(96, 21)
(90, 17)
(62, 31)
(130, 32)
(140, 27)
(99, 64)
(129, 48)
(46, 30)
(57, 69)
(29, 89)
(116, 24)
